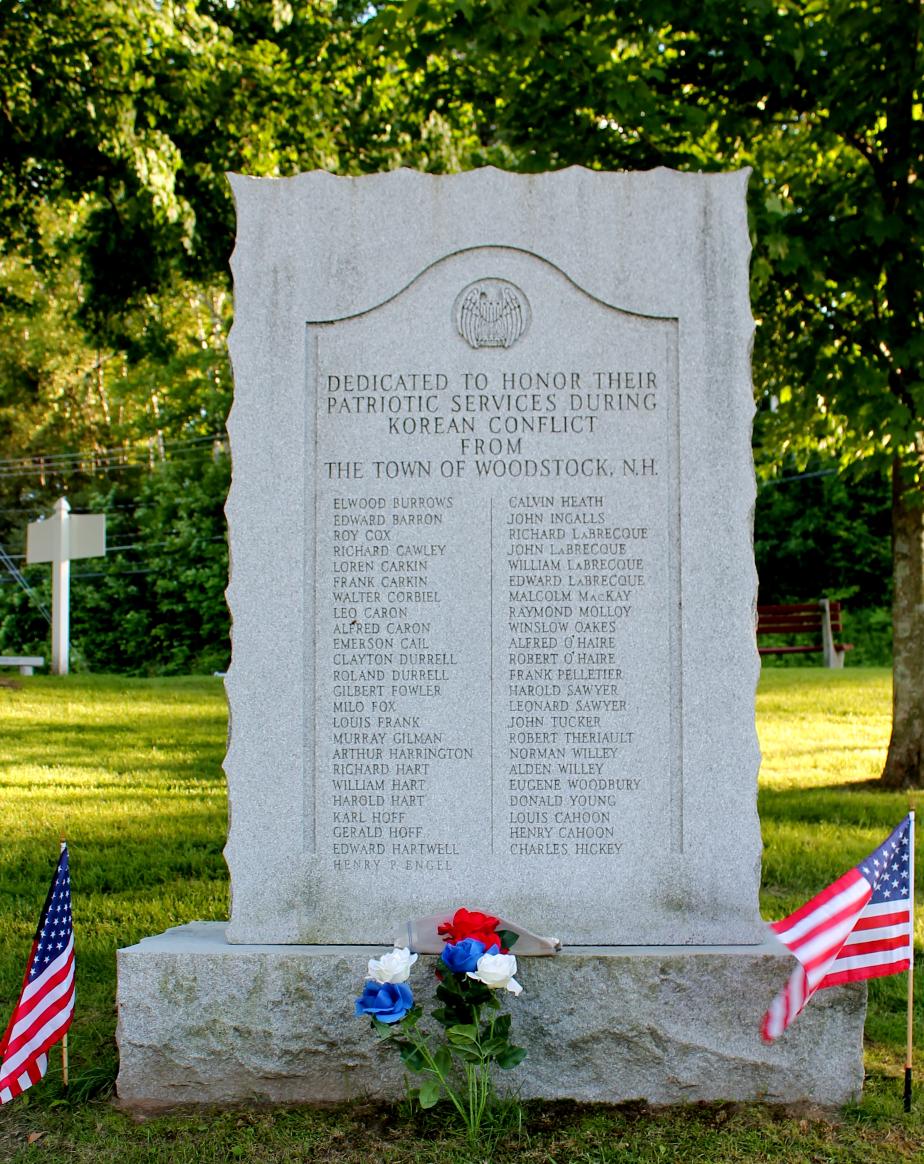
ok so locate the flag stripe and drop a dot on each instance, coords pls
(35, 1020)
(858, 927)
(875, 933)
(882, 915)
(828, 922)
(54, 969)
(862, 975)
(785, 1006)
(44, 1038)
(880, 945)
(824, 946)
(45, 1008)
(6, 1033)
(872, 958)
(838, 912)
(849, 885)
(24, 1018)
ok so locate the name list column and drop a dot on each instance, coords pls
(391, 756)
(575, 576)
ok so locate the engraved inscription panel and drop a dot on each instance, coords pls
(495, 636)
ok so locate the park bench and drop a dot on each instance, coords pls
(821, 620)
(25, 663)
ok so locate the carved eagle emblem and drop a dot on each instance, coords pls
(491, 314)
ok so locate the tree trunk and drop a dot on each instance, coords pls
(904, 766)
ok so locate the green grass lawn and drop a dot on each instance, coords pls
(130, 771)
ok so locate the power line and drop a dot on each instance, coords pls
(64, 470)
(110, 573)
(797, 477)
(143, 545)
(39, 509)
(7, 561)
(83, 455)
(94, 574)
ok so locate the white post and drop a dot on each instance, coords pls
(59, 540)
(61, 593)
(832, 657)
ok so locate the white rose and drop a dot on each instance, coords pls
(497, 971)
(395, 966)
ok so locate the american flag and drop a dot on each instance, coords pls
(859, 927)
(46, 1004)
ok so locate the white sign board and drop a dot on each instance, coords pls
(83, 536)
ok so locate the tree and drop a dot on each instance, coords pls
(823, 99)
(138, 107)
(125, 114)
(118, 120)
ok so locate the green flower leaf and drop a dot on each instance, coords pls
(502, 1026)
(476, 993)
(468, 1052)
(429, 1092)
(412, 1018)
(511, 1057)
(462, 1034)
(447, 993)
(413, 1058)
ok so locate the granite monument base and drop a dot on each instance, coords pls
(205, 1022)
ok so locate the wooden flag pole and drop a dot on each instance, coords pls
(64, 1055)
(910, 1025)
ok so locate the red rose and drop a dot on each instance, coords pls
(490, 941)
(471, 924)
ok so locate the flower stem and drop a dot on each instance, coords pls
(433, 1067)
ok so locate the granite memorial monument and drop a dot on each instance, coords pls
(493, 596)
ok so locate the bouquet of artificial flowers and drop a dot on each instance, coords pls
(474, 969)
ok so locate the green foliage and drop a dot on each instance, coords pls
(172, 616)
(155, 604)
(823, 534)
(870, 631)
(822, 100)
(139, 108)
(820, 97)
(121, 119)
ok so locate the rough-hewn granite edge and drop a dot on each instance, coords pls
(205, 1022)
(317, 247)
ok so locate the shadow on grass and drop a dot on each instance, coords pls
(863, 804)
(189, 749)
(104, 862)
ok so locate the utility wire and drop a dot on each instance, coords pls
(797, 477)
(7, 561)
(133, 546)
(88, 468)
(120, 450)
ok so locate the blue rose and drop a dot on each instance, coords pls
(463, 956)
(389, 1002)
